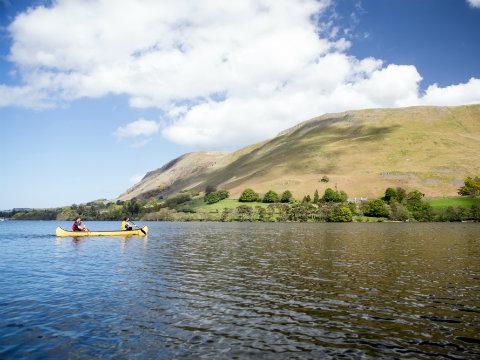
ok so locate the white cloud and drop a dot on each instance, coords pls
(468, 93)
(225, 73)
(474, 3)
(140, 127)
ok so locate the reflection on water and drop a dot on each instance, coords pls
(242, 290)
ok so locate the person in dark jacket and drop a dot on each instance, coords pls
(78, 225)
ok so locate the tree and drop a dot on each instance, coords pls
(414, 200)
(132, 207)
(390, 195)
(67, 214)
(471, 187)
(270, 197)
(223, 194)
(401, 194)
(211, 197)
(248, 195)
(215, 196)
(286, 197)
(307, 199)
(342, 196)
(376, 208)
(316, 197)
(421, 210)
(339, 214)
(331, 195)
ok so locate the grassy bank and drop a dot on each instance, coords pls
(455, 201)
(199, 205)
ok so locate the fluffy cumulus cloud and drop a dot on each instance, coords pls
(140, 127)
(223, 72)
(140, 131)
(474, 3)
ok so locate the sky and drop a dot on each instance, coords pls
(93, 94)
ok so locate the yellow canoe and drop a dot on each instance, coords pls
(140, 232)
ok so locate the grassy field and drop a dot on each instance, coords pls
(199, 204)
(443, 202)
(439, 202)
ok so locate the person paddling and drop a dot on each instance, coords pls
(78, 225)
(126, 224)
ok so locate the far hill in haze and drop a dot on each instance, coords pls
(362, 152)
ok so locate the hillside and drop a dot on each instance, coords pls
(362, 152)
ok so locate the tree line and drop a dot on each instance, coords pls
(396, 204)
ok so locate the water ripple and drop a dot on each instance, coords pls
(218, 290)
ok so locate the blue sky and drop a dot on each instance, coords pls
(91, 99)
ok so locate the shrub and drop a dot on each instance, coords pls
(286, 197)
(278, 212)
(423, 212)
(475, 212)
(177, 200)
(453, 214)
(399, 212)
(248, 195)
(244, 213)
(226, 214)
(325, 179)
(270, 197)
(376, 208)
(316, 197)
(261, 213)
(185, 208)
(471, 187)
(307, 199)
(302, 212)
(340, 213)
(353, 208)
(390, 195)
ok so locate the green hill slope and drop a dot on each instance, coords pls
(362, 152)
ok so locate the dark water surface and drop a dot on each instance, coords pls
(226, 290)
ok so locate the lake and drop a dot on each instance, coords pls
(226, 290)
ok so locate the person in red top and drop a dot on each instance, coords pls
(78, 225)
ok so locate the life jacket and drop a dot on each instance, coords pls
(74, 226)
(124, 225)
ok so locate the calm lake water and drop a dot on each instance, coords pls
(226, 290)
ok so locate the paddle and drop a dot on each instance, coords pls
(138, 227)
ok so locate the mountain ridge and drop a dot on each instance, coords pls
(361, 151)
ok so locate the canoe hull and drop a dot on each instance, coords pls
(137, 232)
